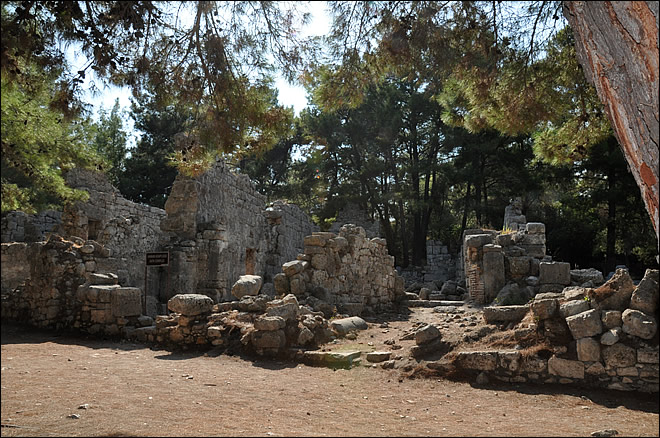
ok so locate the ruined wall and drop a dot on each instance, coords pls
(17, 226)
(126, 229)
(220, 228)
(53, 284)
(348, 270)
(598, 337)
(352, 213)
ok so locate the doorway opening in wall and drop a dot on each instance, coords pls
(250, 261)
(93, 229)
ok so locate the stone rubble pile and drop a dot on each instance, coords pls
(348, 271)
(603, 337)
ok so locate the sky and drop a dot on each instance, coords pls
(289, 95)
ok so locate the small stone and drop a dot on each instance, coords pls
(84, 406)
(73, 416)
(605, 432)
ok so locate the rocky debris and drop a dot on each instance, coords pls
(247, 285)
(645, 296)
(615, 294)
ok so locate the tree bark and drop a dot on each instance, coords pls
(617, 46)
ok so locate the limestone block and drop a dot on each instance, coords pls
(588, 350)
(269, 339)
(509, 360)
(297, 286)
(619, 355)
(190, 304)
(288, 311)
(555, 273)
(103, 279)
(269, 323)
(126, 301)
(581, 276)
(281, 284)
(544, 308)
(512, 294)
(495, 314)
(573, 307)
(611, 319)
(519, 266)
(344, 325)
(478, 240)
(320, 261)
(615, 294)
(293, 267)
(305, 336)
(247, 285)
(575, 293)
(645, 296)
(477, 360)
(533, 364)
(426, 334)
(611, 336)
(535, 228)
(639, 324)
(378, 356)
(214, 332)
(647, 355)
(585, 324)
(572, 369)
(315, 240)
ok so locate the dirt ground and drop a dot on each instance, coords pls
(128, 389)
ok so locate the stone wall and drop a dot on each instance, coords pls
(352, 213)
(349, 271)
(128, 230)
(54, 284)
(21, 227)
(219, 228)
(599, 337)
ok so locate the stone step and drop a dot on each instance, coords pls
(432, 303)
(332, 359)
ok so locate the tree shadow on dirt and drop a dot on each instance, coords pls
(609, 398)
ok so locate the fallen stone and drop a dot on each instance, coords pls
(639, 324)
(332, 359)
(573, 307)
(247, 285)
(378, 356)
(611, 319)
(645, 296)
(269, 323)
(581, 276)
(345, 325)
(611, 336)
(190, 304)
(426, 334)
(496, 314)
(555, 273)
(605, 432)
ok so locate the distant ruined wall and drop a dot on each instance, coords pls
(21, 227)
(348, 270)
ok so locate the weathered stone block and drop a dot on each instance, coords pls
(505, 313)
(281, 284)
(477, 360)
(378, 356)
(269, 339)
(619, 355)
(269, 323)
(581, 276)
(126, 301)
(535, 228)
(519, 266)
(566, 368)
(611, 319)
(509, 360)
(293, 267)
(588, 350)
(247, 285)
(639, 324)
(190, 304)
(645, 296)
(647, 355)
(611, 336)
(555, 273)
(478, 240)
(585, 324)
(287, 311)
(544, 309)
(426, 334)
(573, 307)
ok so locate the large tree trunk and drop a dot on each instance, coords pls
(617, 46)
